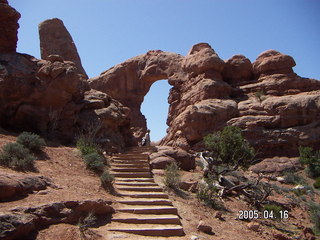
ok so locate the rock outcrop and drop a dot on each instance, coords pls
(8, 27)
(56, 40)
(21, 222)
(166, 155)
(51, 97)
(12, 186)
(277, 109)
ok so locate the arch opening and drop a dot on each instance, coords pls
(155, 108)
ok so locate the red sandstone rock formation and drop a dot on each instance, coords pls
(130, 81)
(277, 110)
(8, 27)
(56, 40)
(51, 97)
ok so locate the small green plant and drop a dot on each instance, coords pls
(299, 192)
(89, 221)
(16, 156)
(293, 178)
(273, 210)
(314, 212)
(317, 183)
(172, 176)
(94, 162)
(85, 223)
(31, 141)
(107, 181)
(86, 146)
(261, 95)
(208, 194)
(311, 158)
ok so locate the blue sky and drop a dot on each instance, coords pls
(107, 32)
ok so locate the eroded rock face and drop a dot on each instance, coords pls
(8, 27)
(277, 110)
(56, 40)
(50, 97)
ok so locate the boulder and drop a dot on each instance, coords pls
(160, 162)
(166, 155)
(202, 58)
(276, 165)
(271, 62)
(254, 226)
(238, 69)
(56, 40)
(13, 186)
(202, 227)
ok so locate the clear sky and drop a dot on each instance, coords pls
(107, 32)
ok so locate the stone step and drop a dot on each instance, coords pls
(141, 209)
(146, 219)
(131, 165)
(149, 229)
(125, 183)
(134, 194)
(139, 188)
(130, 169)
(142, 180)
(145, 201)
(126, 161)
(131, 174)
(131, 155)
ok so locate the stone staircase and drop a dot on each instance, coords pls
(142, 207)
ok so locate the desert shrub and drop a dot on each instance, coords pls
(31, 141)
(316, 184)
(107, 181)
(16, 156)
(274, 210)
(94, 162)
(280, 189)
(87, 146)
(260, 95)
(89, 221)
(172, 176)
(310, 158)
(293, 178)
(314, 212)
(228, 148)
(208, 194)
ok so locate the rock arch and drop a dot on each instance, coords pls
(208, 93)
(194, 78)
(130, 81)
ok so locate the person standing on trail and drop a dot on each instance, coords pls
(146, 139)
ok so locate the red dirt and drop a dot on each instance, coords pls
(66, 169)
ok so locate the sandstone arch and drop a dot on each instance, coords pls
(130, 81)
(208, 93)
